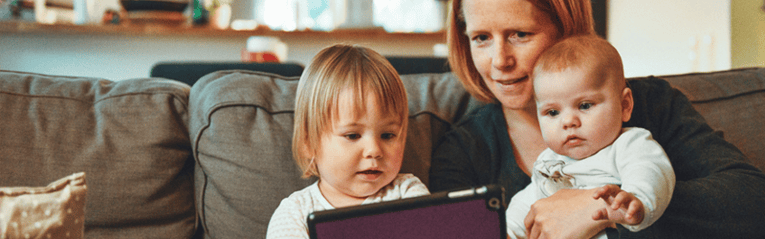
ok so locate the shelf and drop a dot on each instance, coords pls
(24, 27)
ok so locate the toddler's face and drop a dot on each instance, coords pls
(359, 155)
(580, 110)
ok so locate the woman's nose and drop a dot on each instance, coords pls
(503, 57)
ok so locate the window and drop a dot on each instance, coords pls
(326, 15)
(409, 15)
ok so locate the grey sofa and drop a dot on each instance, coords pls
(166, 160)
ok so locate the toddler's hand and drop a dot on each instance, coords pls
(624, 208)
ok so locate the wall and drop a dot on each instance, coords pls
(119, 57)
(657, 37)
(654, 37)
(110, 57)
(122, 57)
(747, 33)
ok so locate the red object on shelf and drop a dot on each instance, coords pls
(248, 56)
(264, 49)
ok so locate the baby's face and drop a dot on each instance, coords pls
(580, 110)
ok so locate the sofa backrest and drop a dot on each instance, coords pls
(732, 102)
(135, 140)
(241, 127)
(190, 71)
(130, 138)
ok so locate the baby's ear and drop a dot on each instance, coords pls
(627, 104)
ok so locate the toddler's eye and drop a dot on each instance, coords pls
(352, 136)
(388, 136)
(585, 106)
(552, 113)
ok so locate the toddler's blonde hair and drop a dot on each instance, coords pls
(332, 70)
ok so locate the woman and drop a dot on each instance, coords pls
(494, 44)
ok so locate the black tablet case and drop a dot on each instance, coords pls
(471, 213)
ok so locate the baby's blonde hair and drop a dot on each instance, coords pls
(332, 70)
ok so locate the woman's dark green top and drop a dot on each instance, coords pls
(717, 195)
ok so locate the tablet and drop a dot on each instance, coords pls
(471, 213)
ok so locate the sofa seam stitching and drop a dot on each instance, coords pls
(728, 97)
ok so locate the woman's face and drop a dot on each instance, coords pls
(506, 37)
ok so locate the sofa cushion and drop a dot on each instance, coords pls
(733, 102)
(130, 137)
(241, 125)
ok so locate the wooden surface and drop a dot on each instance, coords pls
(24, 27)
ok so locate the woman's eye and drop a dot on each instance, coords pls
(519, 37)
(480, 39)
(585, 106)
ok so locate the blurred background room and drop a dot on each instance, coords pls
(121, 39)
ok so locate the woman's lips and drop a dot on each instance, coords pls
(511, 81)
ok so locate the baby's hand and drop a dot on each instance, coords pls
(624, 208)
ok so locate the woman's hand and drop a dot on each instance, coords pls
(565, 214)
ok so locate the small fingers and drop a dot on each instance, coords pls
(601, 192)
(635, 212)
(600, 214)
(633, 208)
(605, 191)
(622, 198)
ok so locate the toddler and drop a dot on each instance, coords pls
(351, 116)
(582, 99)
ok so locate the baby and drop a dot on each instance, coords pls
(582, 100)
(351, 116)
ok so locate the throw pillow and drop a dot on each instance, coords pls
(54, 211)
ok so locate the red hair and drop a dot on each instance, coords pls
(571, 17)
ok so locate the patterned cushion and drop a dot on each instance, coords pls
(54, 211)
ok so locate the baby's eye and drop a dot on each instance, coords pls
(352, 136)
(585, 106)
(388, 136)
(552, 113)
